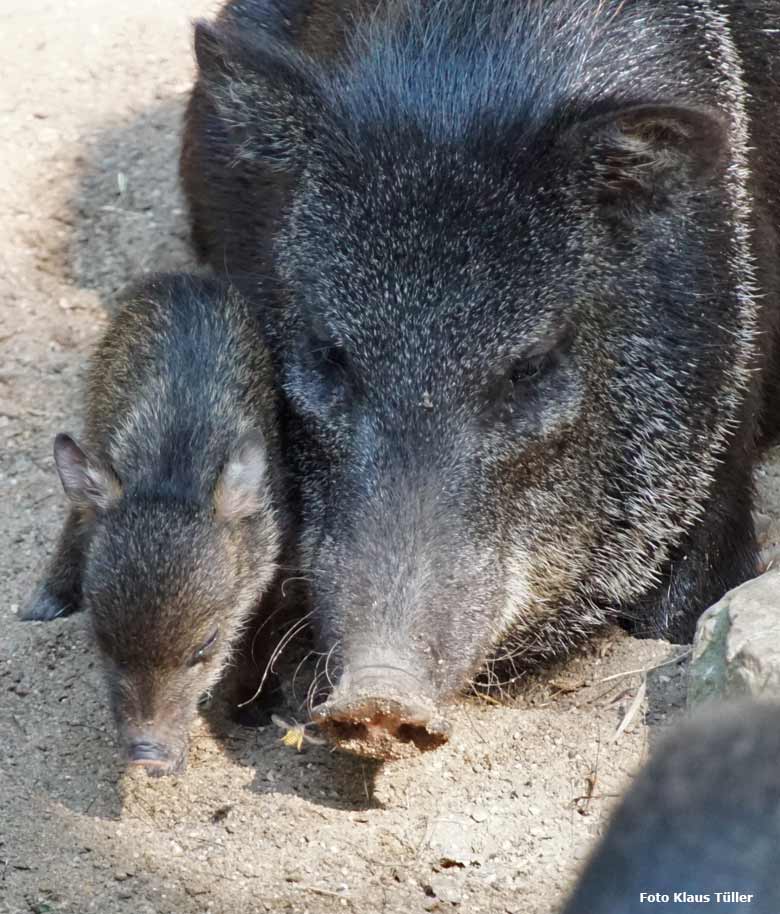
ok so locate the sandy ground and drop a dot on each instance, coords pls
(91, 97)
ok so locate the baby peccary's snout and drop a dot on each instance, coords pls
(381, 711)
(155, 758)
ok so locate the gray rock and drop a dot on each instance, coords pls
(447, 888)
(455, 840)
(736, 650)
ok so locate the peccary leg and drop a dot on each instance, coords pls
(239, 688)
(280, 613)
(248, 668)
(719, 554)
(59, 594)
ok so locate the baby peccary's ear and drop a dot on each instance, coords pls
(263, 92)
(88, 482)
(645, 155)
(241, 490)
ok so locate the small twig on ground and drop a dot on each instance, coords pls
(632, 709)
(488, 699)
(586, 798)
(319, 891)
(590, 786)
(590, 781)
(597, 699)
(474, 727)
(619, 697)
(645, 670)
(43, 498)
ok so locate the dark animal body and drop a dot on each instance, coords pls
(525, 265)
(177, 505)
(699, 829)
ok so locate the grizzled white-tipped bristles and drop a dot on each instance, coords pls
(521, 325)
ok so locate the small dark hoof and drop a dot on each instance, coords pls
(258, 712)
(43, 606)
(252, 716)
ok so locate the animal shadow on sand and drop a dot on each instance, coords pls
(124, 212)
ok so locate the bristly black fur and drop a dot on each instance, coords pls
(526, 256)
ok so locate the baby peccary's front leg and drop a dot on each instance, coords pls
(248, 704)
(59, 593)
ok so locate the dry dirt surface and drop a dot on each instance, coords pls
(91, 98)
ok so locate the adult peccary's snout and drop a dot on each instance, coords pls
(176, 517)
(380, 709)
(387, 585)
(528, 300)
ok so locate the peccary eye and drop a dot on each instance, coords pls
(524, 375)
(334, 359)
(541, 359)
(323, 349)
(206, 649)
(526, 371)
(519, 382)
(330, 360)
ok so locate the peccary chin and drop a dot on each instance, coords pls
(519, 331)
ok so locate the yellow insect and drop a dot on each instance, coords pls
(295, 734)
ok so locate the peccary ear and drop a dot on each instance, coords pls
(88, 483)
(645, 154)
(240, 491)
(262, 91)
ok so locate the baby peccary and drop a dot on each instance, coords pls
(173, 533)
(699, 831)
(528, 258)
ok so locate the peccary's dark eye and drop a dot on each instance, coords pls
(526, 371)
(331, 359)
(541, 359)
(517, 386)
(206, 649)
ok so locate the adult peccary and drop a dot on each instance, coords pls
(700, 828)
(177, 511)
(526, 259)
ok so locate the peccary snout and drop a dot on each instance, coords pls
(154, 757)
(381, 710)
(393, 563)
